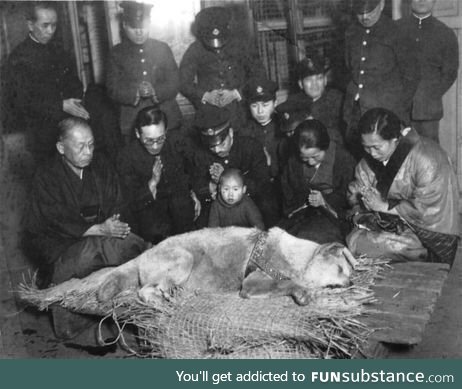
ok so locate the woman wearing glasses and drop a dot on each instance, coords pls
(155, 180)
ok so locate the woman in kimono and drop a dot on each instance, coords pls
(404, 196)
(314, 184)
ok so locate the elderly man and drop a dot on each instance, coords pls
(222, 148)
(75, 219)
(155, 177)
(383, 68)
(438, 56)
(42, 84)
(141, 71)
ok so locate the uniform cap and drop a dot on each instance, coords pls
(260, 89)
(311, 65)
(292, 113)
(361, 7)
(213, 124)
(213, 26)
(135, 13)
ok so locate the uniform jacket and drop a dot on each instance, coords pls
(438, 55)
(39, 77)
(128, 65)
(246, 154)
(203, 70)
(331, 178)
(327, 109)
(54, 218)
(418, 181)
(383, 68)
(269, 137)
(135, 169)
(243, 214)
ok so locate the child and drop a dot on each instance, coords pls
(232, 206)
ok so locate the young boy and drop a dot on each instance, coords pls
(232, 206)
(320, 102)
(260, 94)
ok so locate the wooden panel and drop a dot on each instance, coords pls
(406, 297)
(446, 8)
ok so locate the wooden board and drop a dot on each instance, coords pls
(406, 297)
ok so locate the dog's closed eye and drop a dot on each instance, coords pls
(339, 269)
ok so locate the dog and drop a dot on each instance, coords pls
(245, 260)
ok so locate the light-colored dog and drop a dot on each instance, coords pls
(233, 259)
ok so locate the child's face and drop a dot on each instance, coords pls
(232, 190)
(262, 110)
(314, 86)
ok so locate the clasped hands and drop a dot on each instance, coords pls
(372, 199)
(316, 199)
(221, 97)
(155, 178)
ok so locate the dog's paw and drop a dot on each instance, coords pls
(301, 296)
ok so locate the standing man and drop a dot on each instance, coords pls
(217, 66)
(142, 71)
(438, 55)
(42, 84)
(383, 68)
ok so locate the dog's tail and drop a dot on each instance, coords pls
(123, 278)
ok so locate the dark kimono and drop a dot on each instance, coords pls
(331, 178)
(243, 214)
(172, 212)
(63, 207)
(420, 184)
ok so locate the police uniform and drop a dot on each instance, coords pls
(129, 64)
(218, 60)
(246, 154)
(268, 134)
(382, 67)
(438, 55)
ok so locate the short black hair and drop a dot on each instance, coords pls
(382, 122)
(150, 115)
(33, 6)
(65, 126)
(312, 134)
(232, 172)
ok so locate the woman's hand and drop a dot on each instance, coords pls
(197, 205)
(372, 200)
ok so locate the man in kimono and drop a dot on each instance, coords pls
(141, 71)
(76, 222)
(42, 86)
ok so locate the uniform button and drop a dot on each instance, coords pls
(417, 39)
(368, 31)
(361, 72)
(142, 60)
(222, 84)
(229, 67)
(226, 161)
(364, 43)
(141, 50)
(360, 86)
(363, 59)
(145, 73)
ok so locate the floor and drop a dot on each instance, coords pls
(26, 333)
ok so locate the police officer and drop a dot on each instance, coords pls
(382, 65)
(142, 71)
(220, 149)
(438, 54)
(215, 67)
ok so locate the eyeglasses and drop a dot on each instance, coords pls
(153, 141)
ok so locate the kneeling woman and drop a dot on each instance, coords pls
(405, 194)
(314, 184)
